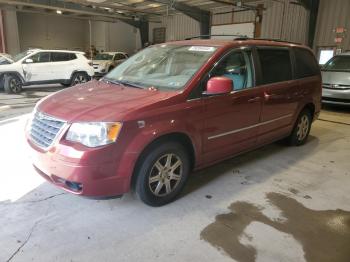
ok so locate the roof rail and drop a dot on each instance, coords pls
(209, 36)
(277, 40)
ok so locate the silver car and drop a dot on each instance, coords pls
(336, 80)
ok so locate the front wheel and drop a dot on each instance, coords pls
(301, 129)
(12, 84)
(162, 173)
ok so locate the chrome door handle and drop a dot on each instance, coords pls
(267, 96)
(255, 99)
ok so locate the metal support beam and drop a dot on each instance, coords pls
(312, 6)
(143, 26)
(63, 6)
(200, 15)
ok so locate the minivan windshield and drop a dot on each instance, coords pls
(167, 67)
(338, 63)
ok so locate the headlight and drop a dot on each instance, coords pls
(94, 134)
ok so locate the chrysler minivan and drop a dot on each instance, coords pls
(170, 109)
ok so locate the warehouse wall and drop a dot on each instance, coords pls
(11, 32)
(293, 26)
(332, 14)
(51, 32)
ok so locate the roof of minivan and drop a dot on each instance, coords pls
(220, 43)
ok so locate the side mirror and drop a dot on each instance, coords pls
(219, 85)
(29, 61)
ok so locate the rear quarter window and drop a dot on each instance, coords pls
(60, 56)
(275, 65)
(305, 63)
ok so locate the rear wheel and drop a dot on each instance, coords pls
(162, 173)
(301, 129)
(12, 84)
(79, 78)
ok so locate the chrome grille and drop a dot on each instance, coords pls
(44, 129)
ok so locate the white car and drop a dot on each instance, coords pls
(37, 66)
(106, 61)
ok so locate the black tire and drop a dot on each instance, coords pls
(167, 184)
(13, 84)
(110, 69)
(301, 129)
(79, 78)
(66, 85)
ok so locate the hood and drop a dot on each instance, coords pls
(336, 78)
(99, 101)
(99, 62)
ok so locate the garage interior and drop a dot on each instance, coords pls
(276, 203)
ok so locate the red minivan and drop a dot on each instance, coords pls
(170, 109)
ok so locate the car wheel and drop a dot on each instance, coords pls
(79, 78)
(65, 85)
(301, 129)
(110, 69)
(162, 173)
(13, 84)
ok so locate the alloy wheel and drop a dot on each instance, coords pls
(303, 127)
(165, 175)
(79, 79)
(15, 85)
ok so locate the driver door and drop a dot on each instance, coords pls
(231, 122)
(39, 69)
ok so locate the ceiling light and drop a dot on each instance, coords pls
(59, 12)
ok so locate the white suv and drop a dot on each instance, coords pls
(35, 67)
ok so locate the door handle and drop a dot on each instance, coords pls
(267, 96)
(255, 99)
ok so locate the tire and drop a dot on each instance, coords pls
(13, 84)
(66, 85)
(301, 129)
(168, 165)
(110, 69)
(79, 78)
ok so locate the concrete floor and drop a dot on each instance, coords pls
(274, 204)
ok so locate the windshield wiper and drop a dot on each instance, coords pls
(122, 83)
(132, 84)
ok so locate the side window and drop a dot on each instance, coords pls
(41, 57)
(305, 63)
(275, 65)
(61, 57)
(119, 56)
(238, 67)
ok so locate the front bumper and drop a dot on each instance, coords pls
(336, 96)
(81, 173)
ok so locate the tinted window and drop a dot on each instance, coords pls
(305, 62)
(41, 57)
(338, 63)
(60, 57)
(275, 65)
(119, 57)
(236, 66)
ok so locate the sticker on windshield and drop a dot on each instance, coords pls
(202, 48)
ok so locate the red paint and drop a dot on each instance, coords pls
(219, 85)
(107, 170)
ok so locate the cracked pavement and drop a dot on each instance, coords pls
(41, 223)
